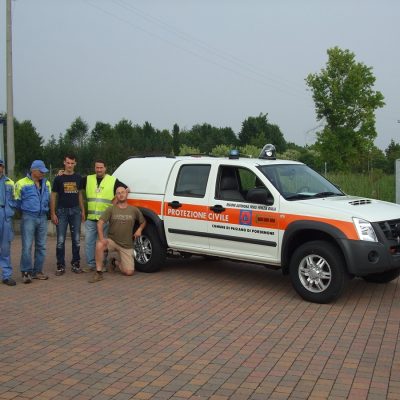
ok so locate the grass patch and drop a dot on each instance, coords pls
(375, 185)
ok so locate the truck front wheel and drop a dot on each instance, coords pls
(149, 252)
(383, 277)
(317, 272)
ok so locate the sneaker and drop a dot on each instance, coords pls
(40, 276)
(76, 268)
(97, 277)
(60, 270)
(88, 269)
(9, 282)
(26, 277)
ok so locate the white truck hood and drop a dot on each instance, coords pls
(352, 206)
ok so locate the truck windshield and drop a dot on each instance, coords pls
(299, 182)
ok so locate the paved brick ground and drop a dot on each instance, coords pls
(197, 330)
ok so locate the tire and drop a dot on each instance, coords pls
(149, 253)
(383, 277)
(317, 272)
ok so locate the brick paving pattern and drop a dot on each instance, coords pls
(196, 330)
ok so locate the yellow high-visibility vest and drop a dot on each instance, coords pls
(99, 198)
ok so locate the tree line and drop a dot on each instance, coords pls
(345, 104)
(114, 144)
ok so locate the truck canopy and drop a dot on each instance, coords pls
(145, 174)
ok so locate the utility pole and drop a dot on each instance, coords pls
(2, 121)
(397, 176)
(10, 110)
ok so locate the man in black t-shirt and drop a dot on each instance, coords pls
(67, 208)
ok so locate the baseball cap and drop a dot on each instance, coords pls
(39, 164)
(2, 162)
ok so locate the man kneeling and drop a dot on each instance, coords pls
(121, 218)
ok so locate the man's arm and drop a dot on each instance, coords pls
(139, 230)
(53, 201)
(142, 222)
(82, 206)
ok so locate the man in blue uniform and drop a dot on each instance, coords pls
(6, 232)
(32, 195)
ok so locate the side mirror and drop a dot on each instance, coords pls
(260, 196)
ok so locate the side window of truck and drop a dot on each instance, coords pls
(241, 184)
(192, 180)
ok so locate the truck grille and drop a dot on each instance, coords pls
(389, 228)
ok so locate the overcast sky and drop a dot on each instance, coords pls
(193, 61)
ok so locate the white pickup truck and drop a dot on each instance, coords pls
(278, 213)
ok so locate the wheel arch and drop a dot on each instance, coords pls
(153, 219)
(300, 232)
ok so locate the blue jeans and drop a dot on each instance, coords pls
(6, 236)
(90, 241)
(72, 217)
(33, 228)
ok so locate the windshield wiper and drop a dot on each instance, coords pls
(326, 194)
(298, 196)
(302, 196)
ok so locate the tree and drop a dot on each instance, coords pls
(28, 145)
(164, 142)
(175, 139)
(76, 134)
(257, 131)
(52, 153)
(102, 132)
(392, 154)
(250, 151)
(222, 150)
(344, 97)
(187, 150)
(205, 137)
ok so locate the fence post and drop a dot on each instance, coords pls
(397, 174)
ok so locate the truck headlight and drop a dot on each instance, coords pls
(365, 230)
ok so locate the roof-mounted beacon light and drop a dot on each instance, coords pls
(234, 154)
(268, 152)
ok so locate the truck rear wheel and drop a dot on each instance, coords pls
(149, 252)
(317, 272)
(383, 277)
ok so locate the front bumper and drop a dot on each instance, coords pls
(364, 258)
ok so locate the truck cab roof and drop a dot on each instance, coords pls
(149, 174)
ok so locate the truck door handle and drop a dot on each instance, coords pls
(175, 204)
(217, 208)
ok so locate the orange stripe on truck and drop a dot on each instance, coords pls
(346, 227)
(239, 216)
(154, 205)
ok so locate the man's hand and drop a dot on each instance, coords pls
(139, 230)
(54, 219)
(104, 242)
(137, 233)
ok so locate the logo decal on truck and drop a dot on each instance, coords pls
(245, 217)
